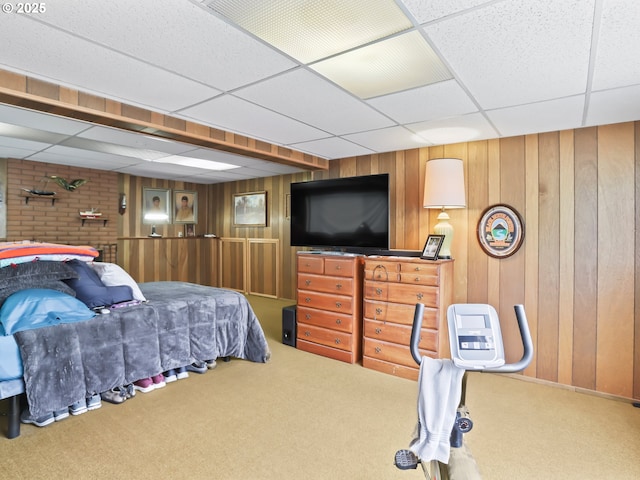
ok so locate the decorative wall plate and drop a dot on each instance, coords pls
(500, 231)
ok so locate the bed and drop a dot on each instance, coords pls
(56, 349)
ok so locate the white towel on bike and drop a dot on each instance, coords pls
(439, 390)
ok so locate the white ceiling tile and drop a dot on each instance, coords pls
(333, 147)
(462, 128)
(239, 116)
(185, 39)
(614, 106)
(520, 51)
(442, 99)
(134, 140)
(617, 56)
(548, 116)
(7, 151)
(303, 95)
(434, 9)
(387, 139)
(97, 70)
(19, 143)
(45, 122)
(108, 161)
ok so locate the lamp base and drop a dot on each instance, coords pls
(443, 227)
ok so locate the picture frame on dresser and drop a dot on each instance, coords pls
(432, 247)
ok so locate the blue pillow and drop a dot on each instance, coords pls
(40, 307)
(90, 289)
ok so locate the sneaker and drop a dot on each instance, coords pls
(115, 395)
(198, 367)
(61, 414)
(181, 373)
(94, 402)
(211, 364)
(170, 376)
(78, 407)
(43, 421)
(130, 391)
(145, 385)
(158, 381)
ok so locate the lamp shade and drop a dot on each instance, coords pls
(444, 184)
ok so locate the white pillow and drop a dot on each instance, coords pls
(112, 275)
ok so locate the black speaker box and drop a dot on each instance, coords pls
(289, 325)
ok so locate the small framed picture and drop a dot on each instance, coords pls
(432, 247)
(190, 230)
(250, 209)
(185, 206)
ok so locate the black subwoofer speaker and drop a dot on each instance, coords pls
(289, 325)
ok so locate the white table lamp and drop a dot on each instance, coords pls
(444, 188)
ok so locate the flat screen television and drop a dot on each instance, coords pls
(347, 214)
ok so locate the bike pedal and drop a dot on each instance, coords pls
(406, 460)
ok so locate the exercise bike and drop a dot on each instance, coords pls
(476, 345)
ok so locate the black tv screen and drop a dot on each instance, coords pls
(350, 213)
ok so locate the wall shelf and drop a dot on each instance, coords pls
(96, 219)
(28, 195)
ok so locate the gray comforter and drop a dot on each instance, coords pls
(180, 323)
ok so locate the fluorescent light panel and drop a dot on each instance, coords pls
(197, 163)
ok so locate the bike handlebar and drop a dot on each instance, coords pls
(525, 335)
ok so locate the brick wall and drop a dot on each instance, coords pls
(39, 220)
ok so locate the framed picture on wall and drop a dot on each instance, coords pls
(156, 206)
(190, 230)
(185, 206)
(250, 209)
(432, 247)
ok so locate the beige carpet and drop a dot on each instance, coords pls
(302, 416)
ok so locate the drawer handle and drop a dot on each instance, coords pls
(338, 321)
(307, 264)
(307, 282)
(307, 333)
(378, 331)
(307, 316)
(337, 341)
(338, 286)
(307, 300)
(338, 267)
(419, 296)
(339, 304)
(417, 279)
(378, 291)
(417, 269)
(378, 349)
(378, 310)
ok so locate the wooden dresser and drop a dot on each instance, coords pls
(392, 287)
(329, 310)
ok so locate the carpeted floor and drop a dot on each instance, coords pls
(302, 416)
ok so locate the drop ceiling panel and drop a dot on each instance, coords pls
(49, 54)
(538, 117)
(442, 99)
(617, 56)
(303, 95)
(613, 106)
(181, 41)
(240, 116)
(333, 147)
(44, 122)
(134, 140)
(517, 52)
(434, 9)
(387, 139)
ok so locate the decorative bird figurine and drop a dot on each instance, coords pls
(71, 186)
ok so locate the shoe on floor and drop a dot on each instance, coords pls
(170, 376)
(94, 402)
(211, 364)
(197, 367)
(130, 390)
(181, 373)
(42, 421)
(115, 395)
(158, 381)
(61, 414)
(78, 407)
(145, 385)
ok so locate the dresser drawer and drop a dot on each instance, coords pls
(325, 336)
(321, 283)
(340, 267)
(325, 301)
(325, 351)
(322, 318)
(419, 273)
(400, 334)
(402, 293)
(382, 271)
(390, 352)
(399, 313)
(310, 264)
